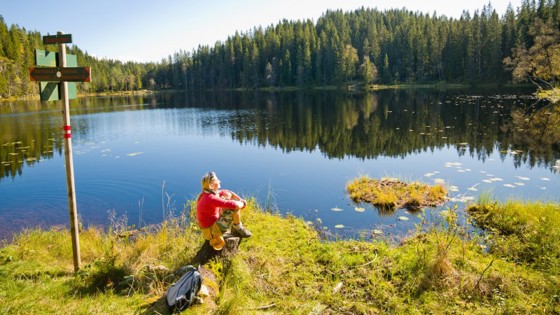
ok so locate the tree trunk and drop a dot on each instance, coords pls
(207, 252)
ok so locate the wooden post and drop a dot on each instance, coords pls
(67, 132)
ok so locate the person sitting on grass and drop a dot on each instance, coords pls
(217, 209)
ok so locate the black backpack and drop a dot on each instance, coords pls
(182, 293)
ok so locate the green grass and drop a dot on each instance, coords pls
(526, 233)
(285, 268)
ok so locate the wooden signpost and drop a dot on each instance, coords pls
(60, 73)
(50, 90)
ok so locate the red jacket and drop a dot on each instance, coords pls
(208, 207)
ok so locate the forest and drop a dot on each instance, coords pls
(360, 47)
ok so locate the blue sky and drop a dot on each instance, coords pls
(151, 30)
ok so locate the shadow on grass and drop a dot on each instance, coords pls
(100, 276)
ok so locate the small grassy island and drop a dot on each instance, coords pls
(286, 268)
(389, 194)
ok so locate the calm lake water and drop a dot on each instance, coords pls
(142, 157)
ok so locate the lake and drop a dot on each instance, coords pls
(141, 158)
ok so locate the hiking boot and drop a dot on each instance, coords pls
(241, 231)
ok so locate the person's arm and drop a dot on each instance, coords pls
(234, 196)
(217, 201)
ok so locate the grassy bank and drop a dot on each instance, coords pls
(285, 268)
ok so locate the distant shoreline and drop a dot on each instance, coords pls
(358, 87)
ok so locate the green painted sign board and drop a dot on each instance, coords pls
(57, 39)
(49, 91)
(46, 58)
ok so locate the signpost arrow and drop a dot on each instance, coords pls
(56, 74)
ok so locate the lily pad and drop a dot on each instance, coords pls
(456, 164)
(339, 226)
(462, 199)
(403, 218)
(359, 209)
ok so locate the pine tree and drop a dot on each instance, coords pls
(368, 71)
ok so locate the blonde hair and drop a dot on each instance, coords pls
(207, 179)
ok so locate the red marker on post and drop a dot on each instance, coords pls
(67, 131)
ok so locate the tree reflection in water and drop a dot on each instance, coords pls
(393, 123)
(536, 133)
